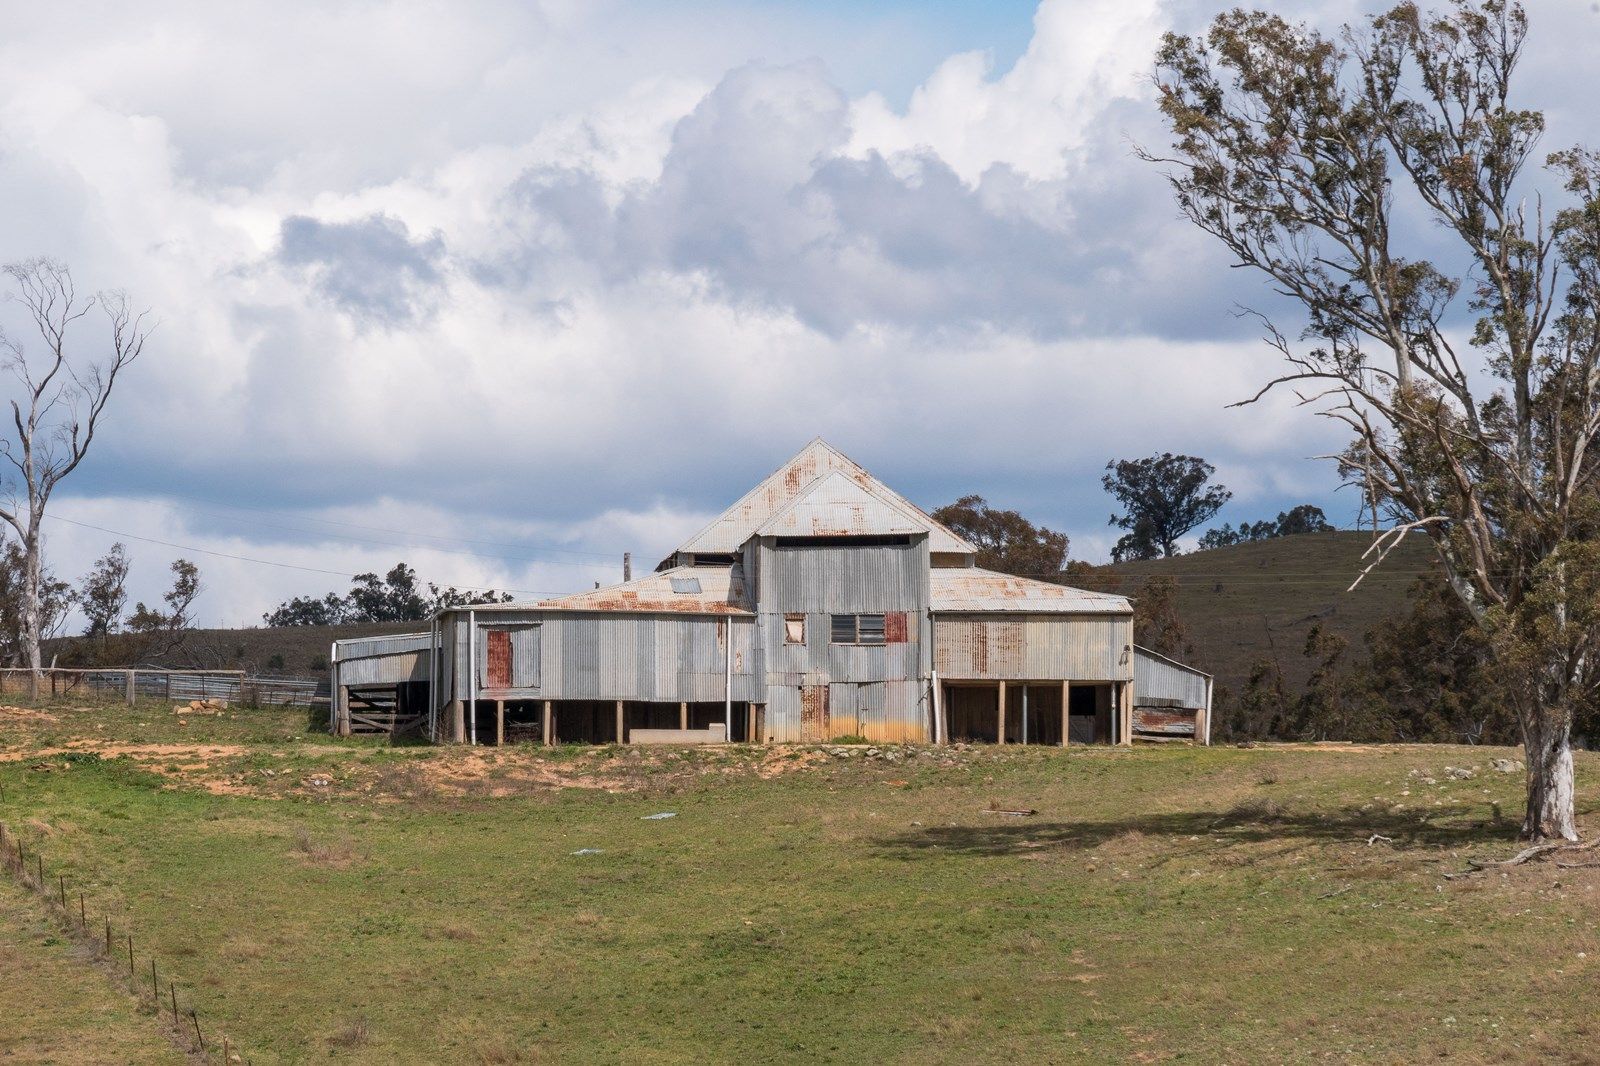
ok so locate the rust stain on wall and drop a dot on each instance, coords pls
(498, 655)
(814, 723)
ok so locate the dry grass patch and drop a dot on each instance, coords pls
(338, 853)
(350, 1036)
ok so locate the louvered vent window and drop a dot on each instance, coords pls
(857, 629)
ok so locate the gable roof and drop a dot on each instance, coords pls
(816, 461)
(970, 590)
(838, 506)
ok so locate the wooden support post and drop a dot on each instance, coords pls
(458, 722)
(499, 722)
(132, 685)
(1000, 706)
(549, 724)
(1127, 714)
(1066, 710)
(683, 716)
(622, 732)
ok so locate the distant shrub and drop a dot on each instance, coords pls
(850, 738)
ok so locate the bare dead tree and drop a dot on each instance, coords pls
(1290, 147)
(62, 399)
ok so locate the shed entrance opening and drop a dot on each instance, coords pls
(1089, 717)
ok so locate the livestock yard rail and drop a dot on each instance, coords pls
(232, 686)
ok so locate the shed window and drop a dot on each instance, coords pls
(794, 629)
(857, 629)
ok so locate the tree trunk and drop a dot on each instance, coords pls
(1547, 742)
(31, 621)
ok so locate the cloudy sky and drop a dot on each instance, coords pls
(505, 289)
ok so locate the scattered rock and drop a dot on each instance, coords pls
(1506, 766)
(1460, 773)
(210, 706)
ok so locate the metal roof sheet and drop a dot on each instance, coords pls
(1155, 656)
(839, 506)
(680, 590)
(816, 460)
(969, 589)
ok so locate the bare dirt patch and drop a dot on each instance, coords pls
(26, 714)
(203, 753)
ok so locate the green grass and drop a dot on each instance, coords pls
(427, 905)
(58, 1007)
(1255, 601)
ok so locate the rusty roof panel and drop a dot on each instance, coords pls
(970, 589)
(839, 506)
(704, 590)
(816, 460)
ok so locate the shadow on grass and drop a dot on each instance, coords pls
(1442, 827)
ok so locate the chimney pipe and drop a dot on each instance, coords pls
(627, 566)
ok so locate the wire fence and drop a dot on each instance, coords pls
(114, 947)
(229, 686)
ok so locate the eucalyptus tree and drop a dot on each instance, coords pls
(56, 409)
(1469, 378)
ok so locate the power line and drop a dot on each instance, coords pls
(261, 562)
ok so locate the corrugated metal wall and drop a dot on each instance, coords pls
(570, 655)
(383, 660)
(879, 688)
(1157, 680)
(1033, 647)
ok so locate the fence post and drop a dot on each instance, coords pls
(133, 685)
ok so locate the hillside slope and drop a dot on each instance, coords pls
(296, 651)
(1260, 600)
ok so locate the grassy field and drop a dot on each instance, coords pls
(1254, 601)
(344, 900)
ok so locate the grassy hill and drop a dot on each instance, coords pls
(296, 651)
(1259, 600)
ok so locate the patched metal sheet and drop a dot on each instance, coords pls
(1033, 647)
